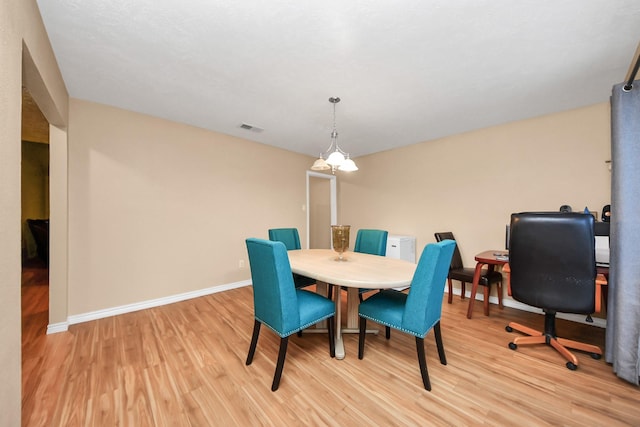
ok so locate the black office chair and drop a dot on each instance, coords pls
(553, 267)
(459, 272)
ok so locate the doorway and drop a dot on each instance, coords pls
(34, 217)
(322, 209)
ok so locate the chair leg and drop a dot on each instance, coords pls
(524, 329)
(281, 355)
(450, 296)
(437, 332)
(254, 341)
(530, 340)
(363, 333)
(331, 332)
(463, 290)
(485, 302)
(564, 352)
(422, 361)
(589, 348)
(387, 332)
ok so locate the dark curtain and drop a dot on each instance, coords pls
(623, 310)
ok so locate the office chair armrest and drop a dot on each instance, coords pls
(600, 282)
(507, 271)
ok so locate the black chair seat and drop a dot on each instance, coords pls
(466, 275)
(302, 281)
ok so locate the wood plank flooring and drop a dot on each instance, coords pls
(184, 365)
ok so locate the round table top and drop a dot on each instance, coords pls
(359, 270)
(496, 257)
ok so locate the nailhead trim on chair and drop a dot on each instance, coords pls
(293, 331)
(400, 329)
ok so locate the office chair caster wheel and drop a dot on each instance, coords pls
(596, 356)
(571, 366)
(513, 346)
(508, 328)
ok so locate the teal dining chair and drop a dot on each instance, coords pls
(291, 239)
(278, 304)
(288, 236)
(372, 242)
(417, 312)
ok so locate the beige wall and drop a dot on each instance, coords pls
(470, 183)
(158, 208)
(20, 27)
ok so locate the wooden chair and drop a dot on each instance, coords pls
(464, 275)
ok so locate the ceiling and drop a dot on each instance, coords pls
(406, 71)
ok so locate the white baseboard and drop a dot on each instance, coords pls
(129, 308)
(580, 318)
(54, 328)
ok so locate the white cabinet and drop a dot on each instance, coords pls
(401, 247)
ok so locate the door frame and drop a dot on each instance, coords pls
(332, 197)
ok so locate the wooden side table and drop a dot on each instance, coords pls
(491, 259)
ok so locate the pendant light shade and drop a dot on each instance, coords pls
(348, 165)
(320, 165)
(336, 157)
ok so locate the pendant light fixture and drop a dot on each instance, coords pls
(336, 157)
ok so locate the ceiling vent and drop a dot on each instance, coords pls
(252, 128)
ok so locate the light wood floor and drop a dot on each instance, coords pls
(183, 365)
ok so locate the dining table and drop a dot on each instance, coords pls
(355, 271)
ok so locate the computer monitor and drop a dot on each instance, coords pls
(601, 231)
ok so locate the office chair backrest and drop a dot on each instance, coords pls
(373, 242)
(456, 259)
(552, 261)
(288, 236)
(424, 302)
(274, 295)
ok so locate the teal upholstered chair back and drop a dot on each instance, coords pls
(424, 302)
(288, 236)
(291, 239)
(274, 295)
(372, 242)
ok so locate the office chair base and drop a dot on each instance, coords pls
(561, 345)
